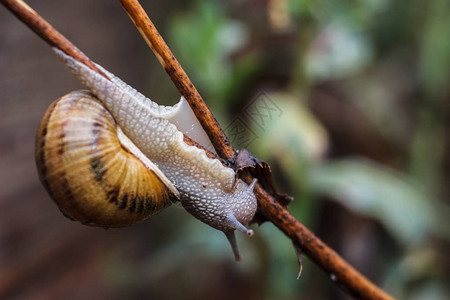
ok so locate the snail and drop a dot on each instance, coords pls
(110, 157)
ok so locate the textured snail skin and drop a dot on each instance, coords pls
(207, 189)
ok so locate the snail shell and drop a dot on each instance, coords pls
(89, 172)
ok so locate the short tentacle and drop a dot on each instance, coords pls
(235, 224)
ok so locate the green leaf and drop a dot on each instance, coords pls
(207, 39)
(370, 189)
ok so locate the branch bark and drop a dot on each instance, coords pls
(43, 29)
(340, 271)
(179, 78)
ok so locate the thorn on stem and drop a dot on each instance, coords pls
(298, 251)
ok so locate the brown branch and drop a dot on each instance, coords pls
(54, 38)
(339, 270)
(318, 251)
(301, 236)
(44, 30)
(179, 78)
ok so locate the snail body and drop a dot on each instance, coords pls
(111, 157)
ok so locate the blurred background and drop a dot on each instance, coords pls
(347, 100)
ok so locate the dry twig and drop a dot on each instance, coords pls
(339, 270)
(301, 236)
(179, 78)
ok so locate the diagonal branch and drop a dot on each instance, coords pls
(55, 39)
(43, 29)
(179, 78)
(301, 236)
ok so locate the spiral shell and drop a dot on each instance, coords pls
(89, 172)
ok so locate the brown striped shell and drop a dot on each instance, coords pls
(89, 173)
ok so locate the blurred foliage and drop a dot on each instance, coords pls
(206, 54)
(371, 189)
(380, 69)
